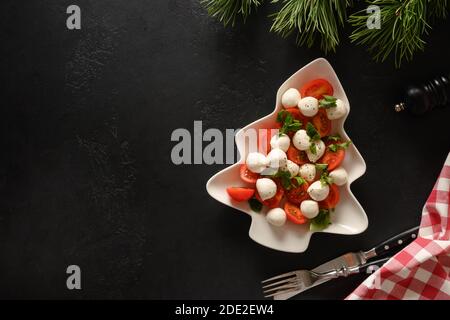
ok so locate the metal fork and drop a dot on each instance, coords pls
(301, 279)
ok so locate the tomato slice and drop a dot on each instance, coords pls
(333, 159)
(322, 123)
(240, 194)
(317, 88)
(273, 202)
(264, 137)
(333, 198)
(247, 175)
(297, 156)
(294, 214)
(298, 194)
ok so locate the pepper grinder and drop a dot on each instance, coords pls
(426, 97)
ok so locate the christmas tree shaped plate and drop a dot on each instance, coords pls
(348, 218)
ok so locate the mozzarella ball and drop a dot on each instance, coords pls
(309, 208)
(292, 167)
(277, 158)
(320, 150)
(276, 217)
(256, 162)
(266, 188)
(280, 142)
(318, 191)
(301, 140)
(339, 176)
(337, 112)
(308, 172)
(290, 98)
(309, 106)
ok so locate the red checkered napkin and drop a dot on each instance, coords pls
(422, 269)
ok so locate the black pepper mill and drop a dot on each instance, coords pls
(421, 99)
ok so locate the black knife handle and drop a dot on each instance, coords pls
(399, 241)
(372, 264)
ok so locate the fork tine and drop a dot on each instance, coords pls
(282, 287)
(279, 290)
(282, 292)
(284, 275)
(278, 283)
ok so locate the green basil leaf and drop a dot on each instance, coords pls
(321, 166)
(335, 137)
(321, 221)
(335, 146)
(312, 132)
(313, 148)
(281, 115)
(289, 124)
(299, 180)
(255, 205)
(327, 102)
(325, 178)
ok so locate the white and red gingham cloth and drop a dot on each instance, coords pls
(422, 269)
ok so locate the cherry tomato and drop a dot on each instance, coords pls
(317, 88)
(333, 159)
(297, 156)
(333, 198)
(294, 214)
(297, 194)
(247, 175)
(240, 194)
(322, 123)
(273, 202)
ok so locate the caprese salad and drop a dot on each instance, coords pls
(299, 176)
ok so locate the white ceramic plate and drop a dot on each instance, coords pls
(348, 218)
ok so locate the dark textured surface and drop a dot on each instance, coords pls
(85, 172)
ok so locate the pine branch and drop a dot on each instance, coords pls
(311, 19)
(404, 24)
(438, 8)
(228, 10)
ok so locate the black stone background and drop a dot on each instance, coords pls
(86, 176)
